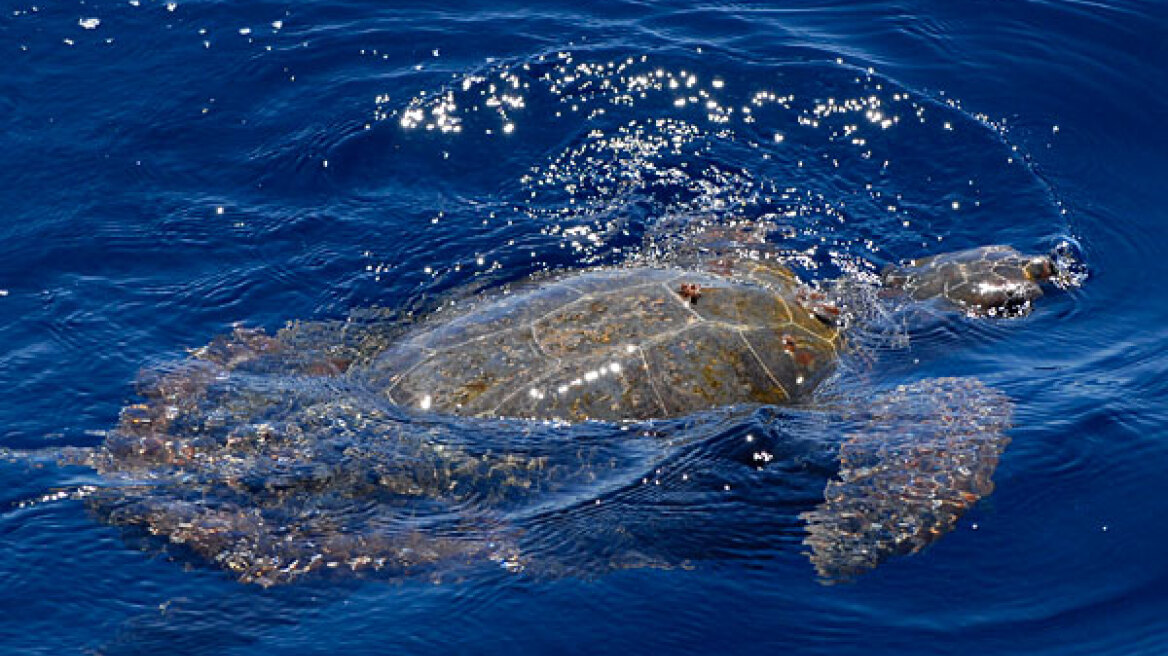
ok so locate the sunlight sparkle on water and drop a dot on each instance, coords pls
(584, 194)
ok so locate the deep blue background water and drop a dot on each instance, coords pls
(164, 175)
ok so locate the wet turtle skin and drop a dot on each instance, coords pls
(923, 455)
(622, 344)
(991, 280)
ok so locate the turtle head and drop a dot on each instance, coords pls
(1039, 268)
(989, 281)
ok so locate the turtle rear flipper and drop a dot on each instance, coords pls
(926, 454)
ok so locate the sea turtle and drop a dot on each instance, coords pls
(342, 446)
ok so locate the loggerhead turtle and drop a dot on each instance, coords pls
(310, 450)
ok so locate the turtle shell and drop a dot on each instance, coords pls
(618, 344)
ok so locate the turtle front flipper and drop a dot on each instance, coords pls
(925, 454)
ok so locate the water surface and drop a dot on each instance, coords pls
(171, 169)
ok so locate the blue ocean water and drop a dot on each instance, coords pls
(173, 169)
